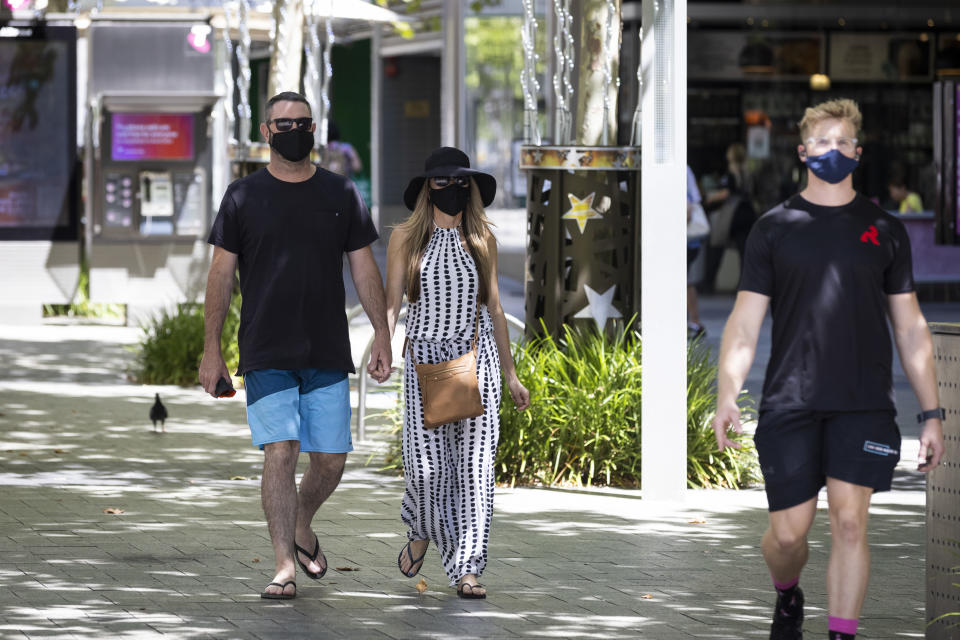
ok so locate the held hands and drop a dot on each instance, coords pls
(519, 393)
(931, 445)
(381, 357)
(212, 368)
(727, 416)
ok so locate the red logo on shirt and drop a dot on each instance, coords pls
(870, 235)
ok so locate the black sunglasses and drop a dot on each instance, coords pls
(442, 182)
(286, 124)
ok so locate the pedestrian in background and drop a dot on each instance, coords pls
(905, 200)
(698, 234)
(832, 267)
(287, 227)
(731, 212)
(444, 257)
(340, 156)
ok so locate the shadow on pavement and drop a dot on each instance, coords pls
(186, 552)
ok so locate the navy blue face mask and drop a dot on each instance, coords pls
(832, 166)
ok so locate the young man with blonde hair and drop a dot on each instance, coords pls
(832, 267)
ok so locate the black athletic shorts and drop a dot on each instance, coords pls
(799, 450)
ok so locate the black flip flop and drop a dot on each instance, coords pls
(471, 595)
(281, 595)
(313, 558)
(412, 561)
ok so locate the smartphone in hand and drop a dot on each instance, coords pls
(224, 389)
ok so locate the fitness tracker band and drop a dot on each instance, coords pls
(939, 412)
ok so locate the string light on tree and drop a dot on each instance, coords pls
(327, 78)
(607, 59)
(528, 76)
(562, 86)
(311, 51)
(244, 113)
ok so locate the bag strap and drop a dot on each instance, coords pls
(476, 335)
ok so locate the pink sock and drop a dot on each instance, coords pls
(843, 625)
(783, 586)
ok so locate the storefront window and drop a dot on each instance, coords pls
(751, 89)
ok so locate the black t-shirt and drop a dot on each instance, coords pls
(827, 271)
(290, 238)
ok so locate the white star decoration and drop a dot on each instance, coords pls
(581, 210)
(599, 306)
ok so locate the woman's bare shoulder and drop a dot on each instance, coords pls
(491, 240)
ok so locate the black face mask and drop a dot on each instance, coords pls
(451, 200)
(294, 145)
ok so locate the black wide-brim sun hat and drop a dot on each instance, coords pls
(450, 162)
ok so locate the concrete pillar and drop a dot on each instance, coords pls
(663, 249)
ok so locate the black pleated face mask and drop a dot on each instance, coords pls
(450, 200)
(293, 145)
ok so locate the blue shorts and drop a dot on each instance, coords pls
(311, 406)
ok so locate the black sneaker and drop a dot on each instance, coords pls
(788, 618)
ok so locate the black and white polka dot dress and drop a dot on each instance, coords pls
(449, 470)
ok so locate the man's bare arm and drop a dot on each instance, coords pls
(737, 348)
(915, 346)
(366, 278)
(220, 280)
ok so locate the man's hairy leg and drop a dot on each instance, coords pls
(319, 481)
(278, 495)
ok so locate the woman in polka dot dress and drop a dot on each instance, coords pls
(444, 257)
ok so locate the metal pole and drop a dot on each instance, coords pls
(452, 83)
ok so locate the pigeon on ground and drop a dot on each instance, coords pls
(158, 412)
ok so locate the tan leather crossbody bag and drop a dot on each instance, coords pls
(450, 389)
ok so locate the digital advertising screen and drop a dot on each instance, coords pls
(38, 155)
(151, 136)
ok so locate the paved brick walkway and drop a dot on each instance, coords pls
(190, 552)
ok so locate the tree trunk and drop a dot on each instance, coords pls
(588, 128)
(288, 47)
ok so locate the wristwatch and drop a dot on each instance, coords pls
(939, 412)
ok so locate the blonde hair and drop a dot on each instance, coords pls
(418, 228)
(840, 109)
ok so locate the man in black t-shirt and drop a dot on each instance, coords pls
(287, 227)
(832, 267)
